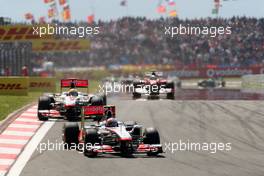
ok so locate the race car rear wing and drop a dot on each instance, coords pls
(97, 113)
(107, 110)
(74, 83)
(159, 74)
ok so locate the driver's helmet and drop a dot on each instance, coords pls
(111, 122)
(73, 92)
(152, 77)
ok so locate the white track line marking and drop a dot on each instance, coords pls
(6, 161)
(2, 173)
(18, 133)
(13, 141)
(29, 114)
(7, 150)
(24, 126)
(29, 149)
(26, 120)
(31, 110)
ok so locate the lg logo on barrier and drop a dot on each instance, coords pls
(228, 72)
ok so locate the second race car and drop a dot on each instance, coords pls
(68, 104)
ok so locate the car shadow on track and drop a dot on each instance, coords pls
(118, 156)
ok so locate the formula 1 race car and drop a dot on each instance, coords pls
(68, 104)
(112, 137)
(153, 85)
(212, 83)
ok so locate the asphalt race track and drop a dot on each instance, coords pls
(240, 123)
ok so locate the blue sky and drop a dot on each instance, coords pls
(110, 9)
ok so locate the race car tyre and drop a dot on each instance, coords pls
(199, 84)
(170, 85)
(103, 96)
(42, 117)
(223, 83)
(136, 95)
(97, 101)
(44, 103)
(137, 84)
(91, 139)
(170, 96)
(104, 100)
(151, 136)
(70, 133)
(179, 84)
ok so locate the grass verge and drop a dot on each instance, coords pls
(9, 104)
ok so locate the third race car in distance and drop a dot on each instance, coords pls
(153, 85)
(212, 83)
(67, 104)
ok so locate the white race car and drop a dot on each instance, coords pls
(67, 104)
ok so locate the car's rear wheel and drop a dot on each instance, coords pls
(71, 133)
(104, 99)
(151, 136)
(170, 96)
(135, 86)
(136, 95)
(97, 100)
(170, 85)
(91, 139)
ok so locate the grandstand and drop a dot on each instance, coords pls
(140, 41)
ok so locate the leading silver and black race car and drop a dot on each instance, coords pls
(153, 85)
(113, 137)
(67, 104)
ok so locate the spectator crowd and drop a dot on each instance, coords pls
(143, 41)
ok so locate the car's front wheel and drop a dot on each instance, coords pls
(70, 133)
(44, 103)
(151, 136)
(91, 139)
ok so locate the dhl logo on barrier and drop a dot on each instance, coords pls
(42, 84)
(13, 86)
(21, 85)
(60, 45)
(19, 33)
(39, 84)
